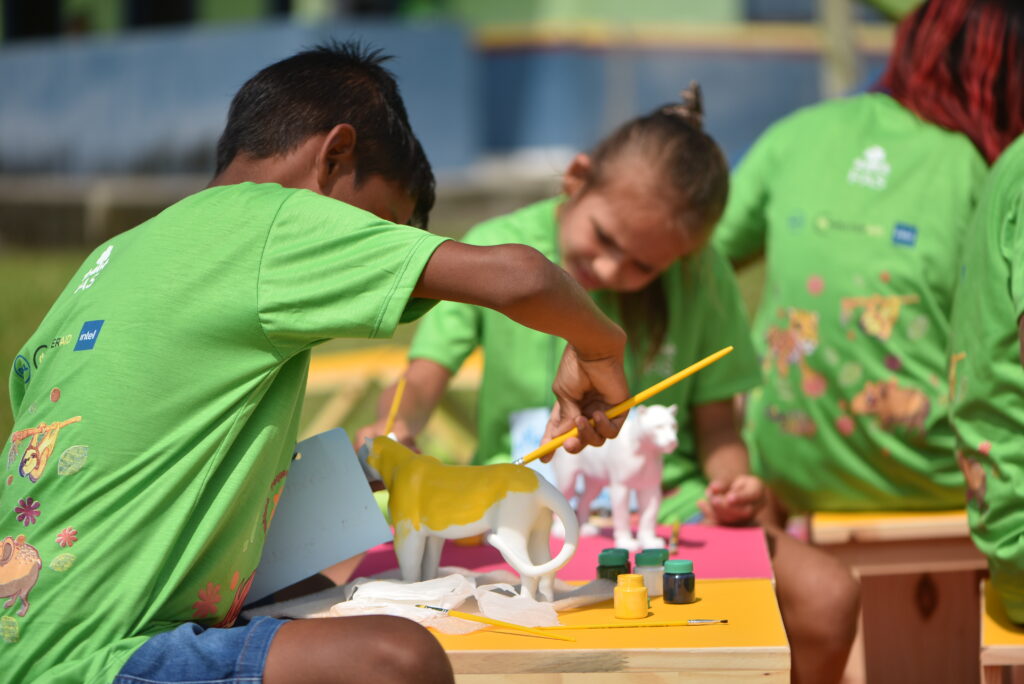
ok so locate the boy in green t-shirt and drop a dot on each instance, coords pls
(156, 407)
(986, 376)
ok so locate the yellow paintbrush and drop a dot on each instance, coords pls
(619, 409)
(396, 401)
(497, 623)
(618, 625)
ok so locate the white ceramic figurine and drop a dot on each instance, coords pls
(430, 502)
(631, 461)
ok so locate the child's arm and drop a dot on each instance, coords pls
(519, 282)
(733, 496)
(425, 383)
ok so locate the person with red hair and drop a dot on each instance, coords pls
(860, 206)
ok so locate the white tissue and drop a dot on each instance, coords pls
(492, 595)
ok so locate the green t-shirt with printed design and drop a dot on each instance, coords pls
(704, 314)
(859, 207)
(156, 409)
(987, 378)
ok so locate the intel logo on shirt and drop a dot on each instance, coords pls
(904, 234)
(87, 338)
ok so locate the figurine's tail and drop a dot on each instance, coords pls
(554, 500)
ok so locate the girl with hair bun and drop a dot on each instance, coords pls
(632, 226)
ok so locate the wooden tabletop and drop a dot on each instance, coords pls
(751, 646)
(841, 528)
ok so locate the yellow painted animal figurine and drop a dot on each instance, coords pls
(510, 505)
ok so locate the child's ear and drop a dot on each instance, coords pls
(576, 176)
(336, 157)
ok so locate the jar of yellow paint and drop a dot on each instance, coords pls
(630, 597)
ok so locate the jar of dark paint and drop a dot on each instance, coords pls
(679, 582)
(611, 563)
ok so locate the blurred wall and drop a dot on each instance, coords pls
(156, 100)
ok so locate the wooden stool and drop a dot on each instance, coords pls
(1002, 642)
(919, 580)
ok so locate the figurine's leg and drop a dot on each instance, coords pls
(513, 544)
(529, 587)
(540, 552)
(409, 551)
(619, 494)
(591, 488)
(431, 557)
(539, 543)
(649, 500)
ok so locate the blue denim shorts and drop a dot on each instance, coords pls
(193, 653)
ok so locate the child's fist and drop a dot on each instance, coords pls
(732, 503)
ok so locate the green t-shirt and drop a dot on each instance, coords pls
(859, 207)
(705, 313)
(987, 379)
(156, 410)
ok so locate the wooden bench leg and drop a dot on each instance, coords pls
(991, 674)
(918, 627)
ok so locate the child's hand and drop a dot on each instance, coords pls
(399, 430)
(586, 388)
(733, 503)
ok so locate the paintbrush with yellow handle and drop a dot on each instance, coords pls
(617, 410)
(497, 623)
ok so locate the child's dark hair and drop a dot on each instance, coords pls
(696, 175)
(317, 89)
(960, 64)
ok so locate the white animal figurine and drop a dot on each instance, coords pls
(430, 502)
(631, 461)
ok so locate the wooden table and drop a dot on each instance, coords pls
(734, 581)
(898, 542)
(919, 593)
(752, 647)
(1002, 642)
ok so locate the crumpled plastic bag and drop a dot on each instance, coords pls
(493, 595)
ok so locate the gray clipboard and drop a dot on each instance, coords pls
(326, 514)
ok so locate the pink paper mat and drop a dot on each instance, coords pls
(716, 552)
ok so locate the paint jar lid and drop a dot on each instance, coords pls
(650, 557)
(630, 580)
(610, 557)
(661, 553)
(679, 566)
